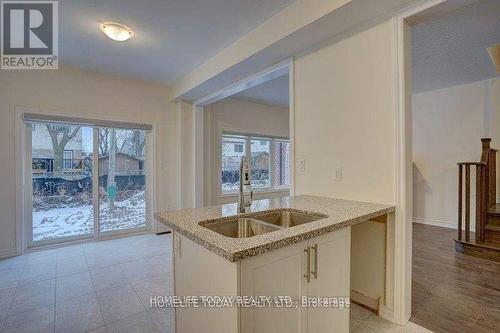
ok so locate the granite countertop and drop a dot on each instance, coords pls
(341, 213)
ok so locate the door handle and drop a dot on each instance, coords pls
(307, 250)
(315, 271)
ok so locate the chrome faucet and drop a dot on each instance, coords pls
(246, 193)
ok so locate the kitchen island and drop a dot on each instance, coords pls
(291, 248)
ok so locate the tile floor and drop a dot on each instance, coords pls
(104, 287)
(94, 287)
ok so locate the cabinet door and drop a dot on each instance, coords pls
(333, 280)
(277, 273)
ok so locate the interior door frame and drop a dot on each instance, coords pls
(402, 272)
(23, 225)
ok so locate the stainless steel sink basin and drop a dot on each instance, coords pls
(241, 227)
(288, 218)
(260, 223)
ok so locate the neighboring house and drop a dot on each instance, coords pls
(43, 152)
(233, 150)
(125, 165)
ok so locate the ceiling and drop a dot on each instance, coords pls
(274, 93)
(172, 37)
(451, 49)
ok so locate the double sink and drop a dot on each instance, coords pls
(260, 223)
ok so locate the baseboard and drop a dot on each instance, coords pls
(8, 253)
(367, 302)
(387, 314)
(440, 223)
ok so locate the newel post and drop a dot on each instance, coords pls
(486, 149)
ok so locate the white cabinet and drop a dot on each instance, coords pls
(277, 273)
(316, 267)
(333, 280)
(281, 272)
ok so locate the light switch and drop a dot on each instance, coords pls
(338, 173)
(302, 165)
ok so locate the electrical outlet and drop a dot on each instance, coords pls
(302, 165)
(338, 173)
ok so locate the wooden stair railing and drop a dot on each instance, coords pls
(485, 171)
(464, 199)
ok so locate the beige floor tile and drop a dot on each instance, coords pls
(70, 251)
(40, 320)
(13, 263)
(140, 322)
(71, 265)
(78, 315)
(6, 297)
(34, 272)
(10, 278)
(107, 277)
(74, 285)
(141, 269)
(119, 302)
(163, 318)
(32, 296)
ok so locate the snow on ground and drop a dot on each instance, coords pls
(58, 222)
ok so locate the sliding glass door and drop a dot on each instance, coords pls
(86, 182)
(122, 181)
(61, 176)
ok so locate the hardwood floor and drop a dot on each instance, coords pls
(452, 292)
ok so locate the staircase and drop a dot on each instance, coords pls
(484, 241)
(492, 227)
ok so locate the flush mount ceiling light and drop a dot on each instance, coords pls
(494, 52)
(116, 31)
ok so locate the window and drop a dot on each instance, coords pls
(282, 163)
(68, 159)
(260, 162)
(269, 159)
(230, 162)
(238, 148)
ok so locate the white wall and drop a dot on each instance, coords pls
(88, 94)
(447, 127)
(345, 117)
(185, 125)
(237, 116)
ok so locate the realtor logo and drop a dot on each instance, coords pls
(29, 36)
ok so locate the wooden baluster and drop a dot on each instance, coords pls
(479, 200)
(485, 158)
(484, 198)
(492, 179)
(460, 179)
(467, 202)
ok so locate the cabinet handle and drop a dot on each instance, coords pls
(315, 271)
(307, 250)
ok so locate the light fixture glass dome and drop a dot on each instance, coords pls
(116, 31)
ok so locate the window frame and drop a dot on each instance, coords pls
(275, 185)
(248, 137)
(65, 159)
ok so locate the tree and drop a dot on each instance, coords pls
(139, 142)
(103, 141)
(60, 136)
(111, 168)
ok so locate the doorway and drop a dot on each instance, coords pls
(86, 182)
